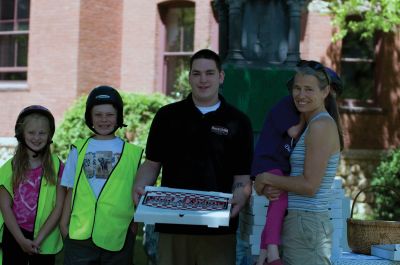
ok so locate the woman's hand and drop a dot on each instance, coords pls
(271, 193)
(260, 183)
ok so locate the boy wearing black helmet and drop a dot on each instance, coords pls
(31, 199)
(99, 175)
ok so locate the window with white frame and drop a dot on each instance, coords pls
(178, 21)
(357, 67)
(14, 34)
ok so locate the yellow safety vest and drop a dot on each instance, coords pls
(106, 219)
(52, 244)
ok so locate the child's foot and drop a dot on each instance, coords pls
(275, 262)
(262, 258)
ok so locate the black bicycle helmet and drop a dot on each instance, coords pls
(104, 95)
(29, 110)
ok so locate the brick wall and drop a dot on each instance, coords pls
(77, 45)
(52, 62)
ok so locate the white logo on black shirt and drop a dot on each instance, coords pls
(219, 130)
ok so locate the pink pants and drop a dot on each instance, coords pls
(271, 233)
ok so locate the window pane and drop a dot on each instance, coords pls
(358, 80)
(13, 50)
(180, 29)
(23, 25)
(188, 26)
(13, 76)
(22, 50)
(7, 9)
(6, 25)
(355, 47)
(177, 67)
(23, 9)
(14, 47)
(7, 50)
(357, 67)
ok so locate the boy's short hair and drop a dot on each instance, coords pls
(206, 54)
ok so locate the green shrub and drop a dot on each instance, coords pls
(181, 86)
(387, 174)
(139, 111)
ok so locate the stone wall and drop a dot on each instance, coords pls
(356, 168)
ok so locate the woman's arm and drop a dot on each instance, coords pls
(66, 213)
(321, 142)
(53, 218)
(10, 221)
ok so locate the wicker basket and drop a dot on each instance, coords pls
(361, 234)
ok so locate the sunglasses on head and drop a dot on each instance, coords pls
(315, 66)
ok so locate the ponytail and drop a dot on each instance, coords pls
(332, 108)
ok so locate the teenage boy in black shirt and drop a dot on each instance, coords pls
(201, 143)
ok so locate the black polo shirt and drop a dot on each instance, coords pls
(200, 152)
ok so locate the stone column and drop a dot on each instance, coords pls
(222, 16)
(235, 31)
(293, 55)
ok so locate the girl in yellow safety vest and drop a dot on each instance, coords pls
(31, 200)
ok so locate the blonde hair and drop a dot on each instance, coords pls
(20, 162)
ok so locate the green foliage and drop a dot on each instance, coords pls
(181, 87)
(365, 16)
(139, 111)
(387, 174)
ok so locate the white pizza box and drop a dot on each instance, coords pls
(385, 253)
(181, 206)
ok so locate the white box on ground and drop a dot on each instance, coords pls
(338, 223)
(385, 253)
(337, 183)
(389, 246)
(255, 249)
(336, 213)
(336, 204)
(259, 209)
(180, 206)
(259, 219)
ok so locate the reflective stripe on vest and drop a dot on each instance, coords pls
(52, 244)
(105, 220)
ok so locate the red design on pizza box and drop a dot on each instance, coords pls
(181, 206)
